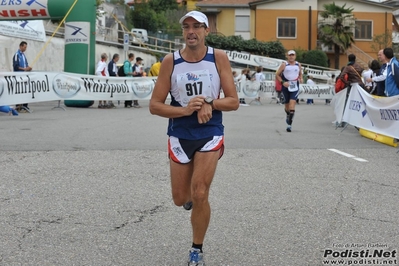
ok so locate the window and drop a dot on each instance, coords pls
(286, 28)
(363, 30)
(242, 23)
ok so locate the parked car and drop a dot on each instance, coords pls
(140, 34)
(136, 39)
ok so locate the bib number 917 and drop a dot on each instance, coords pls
(194, 88)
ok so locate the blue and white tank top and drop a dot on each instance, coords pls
(190, 79)
(291, 72)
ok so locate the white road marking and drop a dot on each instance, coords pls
(348, 155)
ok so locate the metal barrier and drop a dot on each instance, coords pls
(115, 35)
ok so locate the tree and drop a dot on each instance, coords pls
(315, 57)
(336, 28)
(162, 5)
(98, 4)
(144, 17)
(118, 2)
(382, 41)
(156, 15)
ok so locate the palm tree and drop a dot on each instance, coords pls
(336, 28)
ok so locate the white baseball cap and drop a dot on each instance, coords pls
(198, 16)
(291, 52)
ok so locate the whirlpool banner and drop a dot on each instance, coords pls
(20, 87)
(27, 87)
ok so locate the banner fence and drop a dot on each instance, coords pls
(379, 115)
(20, 87)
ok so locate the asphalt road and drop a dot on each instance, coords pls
(91, 187)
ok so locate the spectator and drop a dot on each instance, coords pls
(311, 83)
(391, 87)
(237, 79)
(375, 66)
(102, 70)
(259, 77)
(137, 72)
(20, 63)
(128, 72)
(277, 87)
(379, 79)
(330, 82)
(354, 71)
(290, 75)
(367, 73)
(244, 77)
(236, 76)
(252, 75)
(196, 134)
(8, 110)
(154, 70)
(112, 67)
(113, 72)
(339, 84)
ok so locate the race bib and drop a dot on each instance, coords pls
(293, 86)
(192, 84)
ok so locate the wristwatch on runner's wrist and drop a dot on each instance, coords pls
(209, 100)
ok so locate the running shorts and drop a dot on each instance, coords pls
(182, 150)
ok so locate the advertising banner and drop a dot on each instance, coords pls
(272, 63)
(77, 32)
(19, 87)
(380, 115)
(266, 89)
(24, 29)
(338, 103)
(23, 9)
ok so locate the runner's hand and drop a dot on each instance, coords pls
(205, 113)
(194, 104)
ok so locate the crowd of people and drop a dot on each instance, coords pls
(378, 78)
(128, 69)
(103, 68)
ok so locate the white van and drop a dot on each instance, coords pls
(141, 34)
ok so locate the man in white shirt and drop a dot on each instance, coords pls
(102, 70)
(259, 77)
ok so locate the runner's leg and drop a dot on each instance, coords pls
(180, 175)
(204, 169)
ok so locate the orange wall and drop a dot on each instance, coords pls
(379, 27)
(269, 33)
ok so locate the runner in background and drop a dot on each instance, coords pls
(290, 75)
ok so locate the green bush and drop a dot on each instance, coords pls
(273, 49)
(315, 57)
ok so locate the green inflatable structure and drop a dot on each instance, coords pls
(80, 30)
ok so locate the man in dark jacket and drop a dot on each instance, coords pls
(113, 72)
(112, 68)
(20, 63)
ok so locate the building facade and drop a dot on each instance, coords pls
(295, 22)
